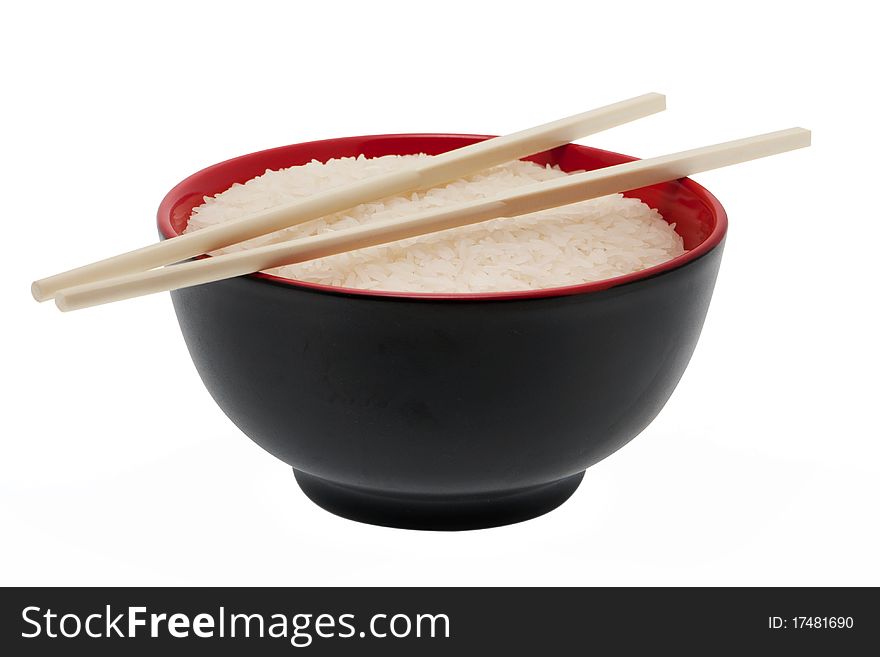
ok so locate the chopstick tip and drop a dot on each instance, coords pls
(658, 98)
(62, 304)
(802, 136)
(38, 293)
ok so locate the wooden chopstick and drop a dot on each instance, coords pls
(531, 198)
(436, 170)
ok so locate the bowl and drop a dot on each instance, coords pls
(445, 411)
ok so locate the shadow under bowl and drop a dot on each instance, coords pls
(444, 411)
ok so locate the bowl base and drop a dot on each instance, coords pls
(440, 512)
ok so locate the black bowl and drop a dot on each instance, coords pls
(446, 411)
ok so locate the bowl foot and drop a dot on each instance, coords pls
(440, 513)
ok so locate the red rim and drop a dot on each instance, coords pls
(697, 191)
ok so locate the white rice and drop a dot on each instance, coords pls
(587, 241)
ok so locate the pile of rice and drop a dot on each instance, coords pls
(587, 241)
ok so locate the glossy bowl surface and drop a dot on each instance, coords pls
(445, 411)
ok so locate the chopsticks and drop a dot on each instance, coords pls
(531, 198)
(436, 170)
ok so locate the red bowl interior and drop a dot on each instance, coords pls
(697, 214)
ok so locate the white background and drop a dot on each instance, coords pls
(116, 467)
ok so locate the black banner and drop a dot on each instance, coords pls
(444, 621)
